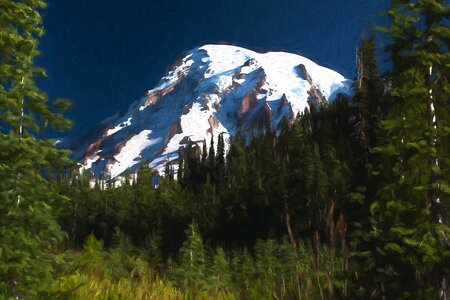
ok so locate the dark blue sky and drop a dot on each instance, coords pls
(104, 54)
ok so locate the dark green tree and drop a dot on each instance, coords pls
(191, 271)
(368, 94)
(220, 273)
(180, 171)
(28, 230)
(212, 159)
(409, 228)
(220, 157)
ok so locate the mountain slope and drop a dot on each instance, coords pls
(214, 89)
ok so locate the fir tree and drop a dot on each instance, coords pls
(212, 159)
(367, 97)
(220, 157)
(180, 172)
(192, 269)
(220, 270)
(409, 226)
(28, 228)
(204, 153)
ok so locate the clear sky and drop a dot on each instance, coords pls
(104, 54)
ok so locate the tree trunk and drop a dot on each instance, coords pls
(22, 101)
(289, 230)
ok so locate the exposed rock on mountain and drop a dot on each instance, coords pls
(214, 89)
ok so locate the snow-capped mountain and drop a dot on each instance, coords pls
(214, 89)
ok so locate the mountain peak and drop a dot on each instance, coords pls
(213, 89)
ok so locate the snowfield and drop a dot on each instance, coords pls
(214, 89)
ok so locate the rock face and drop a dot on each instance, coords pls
(214, 89)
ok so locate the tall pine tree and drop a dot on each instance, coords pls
(28, 230)
(409, 225)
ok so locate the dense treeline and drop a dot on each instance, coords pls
(349, 200)
(288, 188)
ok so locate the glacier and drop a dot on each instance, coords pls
(212, 90)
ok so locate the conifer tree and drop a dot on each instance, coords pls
(367, 88)
(192, 269)
(212, 159)
(220, 157)
(238, 173)
(204, 153)
(191, 167)
(180, 172)
(220, 270)
(28, 230)
(168, 171)
(409, 224)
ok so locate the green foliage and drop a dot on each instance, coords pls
(117, 273)
(28, 230)
(409, 228)
(191, 270)
(220, 270)
(347, 201)
(274, 185)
